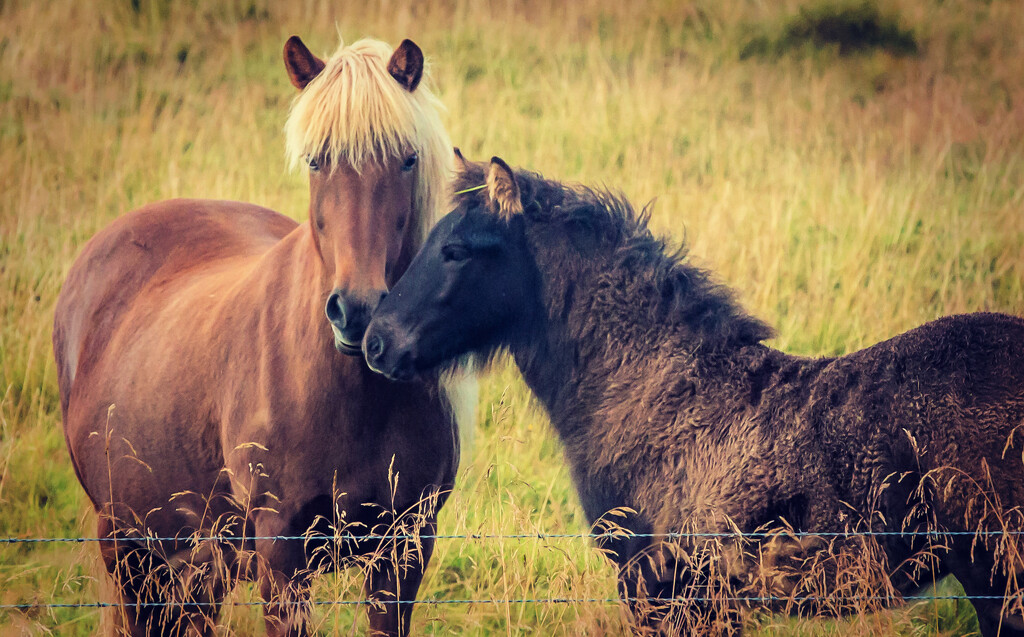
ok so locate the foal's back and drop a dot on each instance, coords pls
(950, 393)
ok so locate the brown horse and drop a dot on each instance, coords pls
(669, 405)
(204, 392)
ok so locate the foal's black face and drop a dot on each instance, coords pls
(470, 288)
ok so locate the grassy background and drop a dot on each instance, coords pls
(848, 194)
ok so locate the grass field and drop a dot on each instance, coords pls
(847, 194)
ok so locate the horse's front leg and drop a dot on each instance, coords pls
(633, 590)
(668, 597)
(179, 597)
(285, 603)
(393, 579)
(283, 577)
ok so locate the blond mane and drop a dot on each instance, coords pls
(355, 112)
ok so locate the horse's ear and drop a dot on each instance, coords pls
(503, 189)
(302, 65)
(463, 164)
(406, 65)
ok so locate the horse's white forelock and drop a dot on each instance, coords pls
(355, 112)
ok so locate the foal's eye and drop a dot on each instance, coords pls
(455, 252)
(409, 162)
(314, 165)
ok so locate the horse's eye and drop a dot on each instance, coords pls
(455, 252)
(313, 164)
(410, 161)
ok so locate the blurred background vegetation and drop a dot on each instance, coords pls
(853, 169)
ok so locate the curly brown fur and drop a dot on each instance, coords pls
(669, 405)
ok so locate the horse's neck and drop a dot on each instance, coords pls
(284, 293)
(591, 364)
(629, 397)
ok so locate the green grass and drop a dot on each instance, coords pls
(846, 197)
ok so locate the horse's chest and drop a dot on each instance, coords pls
(368, 456)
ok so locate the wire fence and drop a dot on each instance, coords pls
(608, 535)
(349, 537)
(540, 600)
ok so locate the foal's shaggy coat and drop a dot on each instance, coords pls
(668, 404)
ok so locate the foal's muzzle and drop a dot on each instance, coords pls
(385, 355)
(349, 314)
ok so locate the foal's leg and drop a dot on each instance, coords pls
(633, 590)
(977, 576)
(666, 598)
(398, 583)
(285, 603)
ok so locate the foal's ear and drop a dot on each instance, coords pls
(302, 65)
(406, 65)
(503, 189)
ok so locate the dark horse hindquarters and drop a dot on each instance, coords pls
(668, 404)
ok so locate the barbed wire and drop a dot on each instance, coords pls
(536, 600)
(609, 535)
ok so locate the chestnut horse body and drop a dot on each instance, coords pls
(204, 392)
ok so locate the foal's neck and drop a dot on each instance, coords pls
(607, 343)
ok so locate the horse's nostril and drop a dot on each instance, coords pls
(335, 310)
(375, 346)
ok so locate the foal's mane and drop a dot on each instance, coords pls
(355, 111)
(677, 291)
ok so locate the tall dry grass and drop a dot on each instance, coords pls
(847, 198)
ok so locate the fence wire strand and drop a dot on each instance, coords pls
(26, 606)
(510, 536)
(536, 600)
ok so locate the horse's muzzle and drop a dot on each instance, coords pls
(385, 356)
(349, 315)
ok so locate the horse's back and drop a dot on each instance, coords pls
(966, 383)
(112, 283)
(977, 358)
(946, 394)
(161, 240)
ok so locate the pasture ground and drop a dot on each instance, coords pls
(847, 192)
